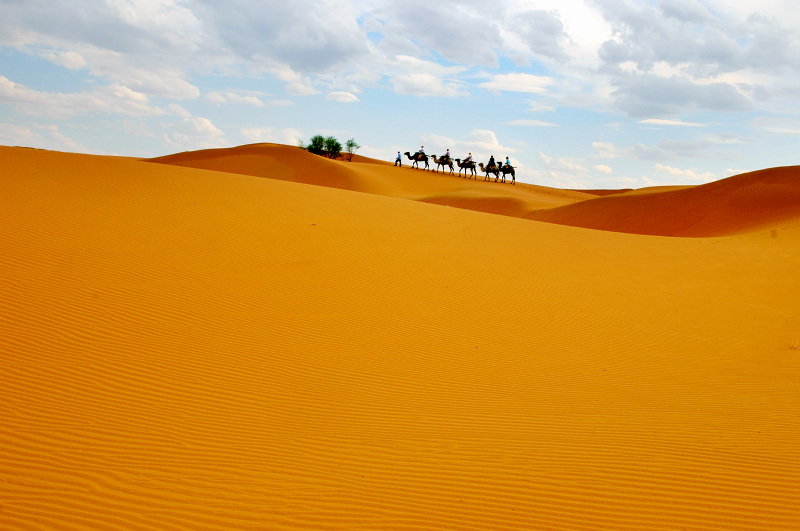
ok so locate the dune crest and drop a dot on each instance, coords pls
(290, 163)
(750, 202)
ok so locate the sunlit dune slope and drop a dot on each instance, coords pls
(291, 163)
(744, 203)
(192, 349)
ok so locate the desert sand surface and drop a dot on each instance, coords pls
(258, 338)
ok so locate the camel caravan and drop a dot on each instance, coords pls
(466, 165)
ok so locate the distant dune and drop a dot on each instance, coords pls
(744, 203)
(259, 338)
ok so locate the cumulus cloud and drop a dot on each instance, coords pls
(342, 97)
(460, 31)
(543, 33)
(44, 137)
(485, 141)
(195, 133)
(233, 97)
(689, 175)
(650, 95)
(116, 99)
(665, 149)
(562, 164)
(680, 55)
(777, 126)
(606, 150)
(480, 142)
(602, 168)
(660, 121)
(517, 82)
(70, 60)
(418, 77)
(422, 84)
(270, 134)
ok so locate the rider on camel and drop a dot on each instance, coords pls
(491, 162)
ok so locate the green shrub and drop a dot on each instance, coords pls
(351, 146)
(316, 145)
(332, 147)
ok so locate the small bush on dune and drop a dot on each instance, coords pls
(329, 147)
(351, 146)
(332, 147)
(316, 145)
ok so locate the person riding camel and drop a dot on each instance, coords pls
(492, 163)
(469, 157)
(508, 162)
(447, 155)
(421, 150)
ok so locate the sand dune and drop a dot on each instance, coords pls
(219, 348)
(744, 203)
(290, 163)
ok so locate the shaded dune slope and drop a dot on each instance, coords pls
(743, 203)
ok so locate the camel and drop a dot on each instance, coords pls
(506, 169)
(490, 169)
(417, 157)
(444, 161)
(466, 165)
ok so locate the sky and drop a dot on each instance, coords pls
(577, 93)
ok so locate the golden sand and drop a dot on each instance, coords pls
(258, 338)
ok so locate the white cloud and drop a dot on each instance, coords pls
(777, 126)
(178, 110)
(685, 176)
(657, 121)
(538, 106)
(70, 60)
(112, 99)
(602, 168)
(44, 137)
(232, 97)
(485, 141)
(270, 134)
(518, 82)
(561, 164)
(422, 84)
(195, 133)
(606, 150)
(342, 97)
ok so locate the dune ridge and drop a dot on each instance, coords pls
(749, 202)
(191, 348)
(366, 175)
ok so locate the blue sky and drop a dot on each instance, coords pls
(578, 93)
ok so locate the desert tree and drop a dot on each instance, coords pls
(316, 145)
(332, 147)
(351, 146)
